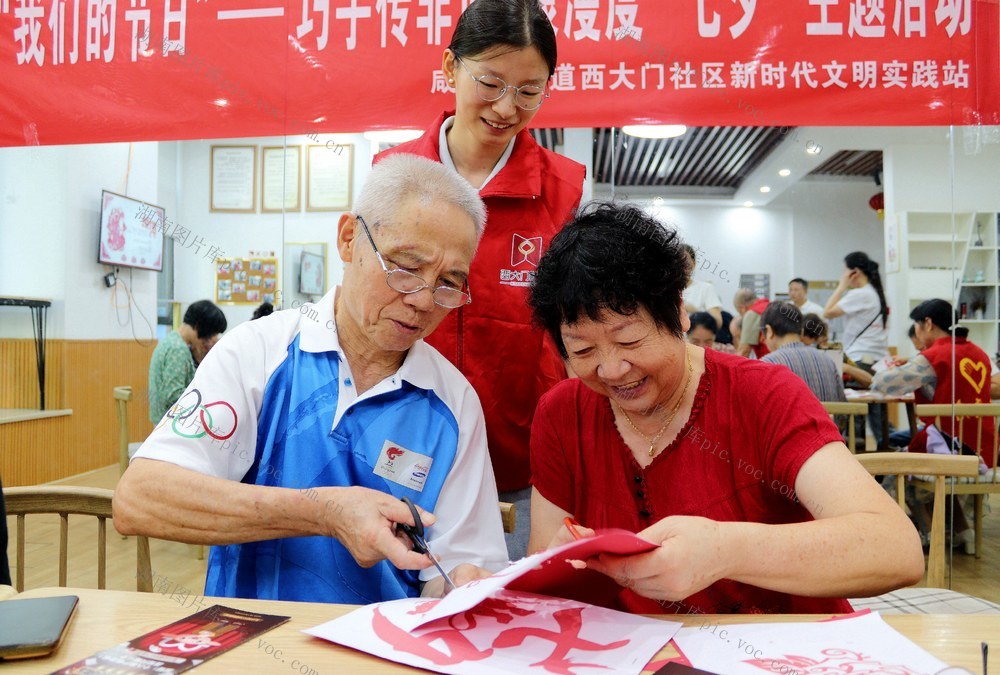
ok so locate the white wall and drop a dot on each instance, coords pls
(238, 234)
(49, 220)
(829, 220)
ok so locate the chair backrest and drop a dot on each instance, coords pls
(66, 500)
(122, 396)
(852, 410)
(941, 467)
(508, 514)
(962, 412)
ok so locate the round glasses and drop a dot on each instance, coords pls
(405, 282)
(491, 88)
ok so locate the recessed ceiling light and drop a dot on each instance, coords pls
(785, 173)
(655, 130)
(393, 136)
(748, 204)
(813, 148)
(765, 188)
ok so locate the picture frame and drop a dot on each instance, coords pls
(233, 176)
(281, 178)
(329, 177)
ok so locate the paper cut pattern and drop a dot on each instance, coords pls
(831, 661)
(858, 644)
(509, 632)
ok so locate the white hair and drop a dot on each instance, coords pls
(402, 175)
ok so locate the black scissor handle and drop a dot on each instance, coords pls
(414, 532)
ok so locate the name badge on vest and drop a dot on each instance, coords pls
(403, 466)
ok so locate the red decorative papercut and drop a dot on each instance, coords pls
(835, 661)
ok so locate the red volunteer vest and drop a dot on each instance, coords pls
(508, 361)
(971, 382)
(760, 349)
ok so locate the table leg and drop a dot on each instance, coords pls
(884, 445)
(38, 316)
(911, 416)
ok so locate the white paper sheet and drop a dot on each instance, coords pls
(862, 644)
(511, 632)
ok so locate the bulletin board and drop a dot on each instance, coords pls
(246, 281)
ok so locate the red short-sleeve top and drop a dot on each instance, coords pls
(752, 427)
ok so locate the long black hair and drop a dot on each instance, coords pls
(486, 24)
(859, 260)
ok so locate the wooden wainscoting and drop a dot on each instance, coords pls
(80, 375)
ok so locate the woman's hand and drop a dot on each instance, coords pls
(689, 559)
(564, 536)
(847, 277)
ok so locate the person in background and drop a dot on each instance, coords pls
(500, 61)
(815, 332)
(782, 323)
(736, 328)
(731, 468)
(702, 333)
(860, 299)
(176, 357)
(265, 309)
(701, 296)
(750, 307)
(321, 420)
(949, 369)
(798, 292)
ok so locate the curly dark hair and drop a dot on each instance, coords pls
(611, 257)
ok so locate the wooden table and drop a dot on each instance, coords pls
(871, 397)
(106, 618)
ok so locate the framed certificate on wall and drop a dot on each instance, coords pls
(329, 171)
(234, 179)
(280, 179)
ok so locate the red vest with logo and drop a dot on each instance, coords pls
(760, 349)
(509, 361)
(968, 371)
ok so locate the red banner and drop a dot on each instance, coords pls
(86, 71)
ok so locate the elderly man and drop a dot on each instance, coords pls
(751, 308)
(301, 431)
(782, 325)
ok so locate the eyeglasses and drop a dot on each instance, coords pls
(491, 88)
(405, 282)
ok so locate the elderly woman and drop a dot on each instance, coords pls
(731, 467)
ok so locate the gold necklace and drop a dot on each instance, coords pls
(673, 413)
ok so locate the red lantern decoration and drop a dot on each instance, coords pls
(877, 202)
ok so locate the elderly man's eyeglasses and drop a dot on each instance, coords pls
(491, 88)
(406, 282)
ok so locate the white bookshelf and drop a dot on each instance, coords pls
(955, 256)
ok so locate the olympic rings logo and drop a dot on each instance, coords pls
(185, 409)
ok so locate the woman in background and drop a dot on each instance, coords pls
(860, 299)
(500, 60)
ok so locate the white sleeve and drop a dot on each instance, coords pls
(712, 298)
(468, 527)
(212, 429)
(854, 302)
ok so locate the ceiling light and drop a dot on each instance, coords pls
(785, 173)
(655, 130)
(813, 148)
(748, 204)
(658, 201)
(393, 135)
(765, 189)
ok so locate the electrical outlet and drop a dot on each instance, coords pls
(109, 279)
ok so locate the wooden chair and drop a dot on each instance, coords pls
(66, 500)
(852, 410)
(122, 396)
(978, 485)
(942, 467)
(508, 514)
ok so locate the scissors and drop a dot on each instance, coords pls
(416, 535)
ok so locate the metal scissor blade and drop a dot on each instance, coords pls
(440, 569)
